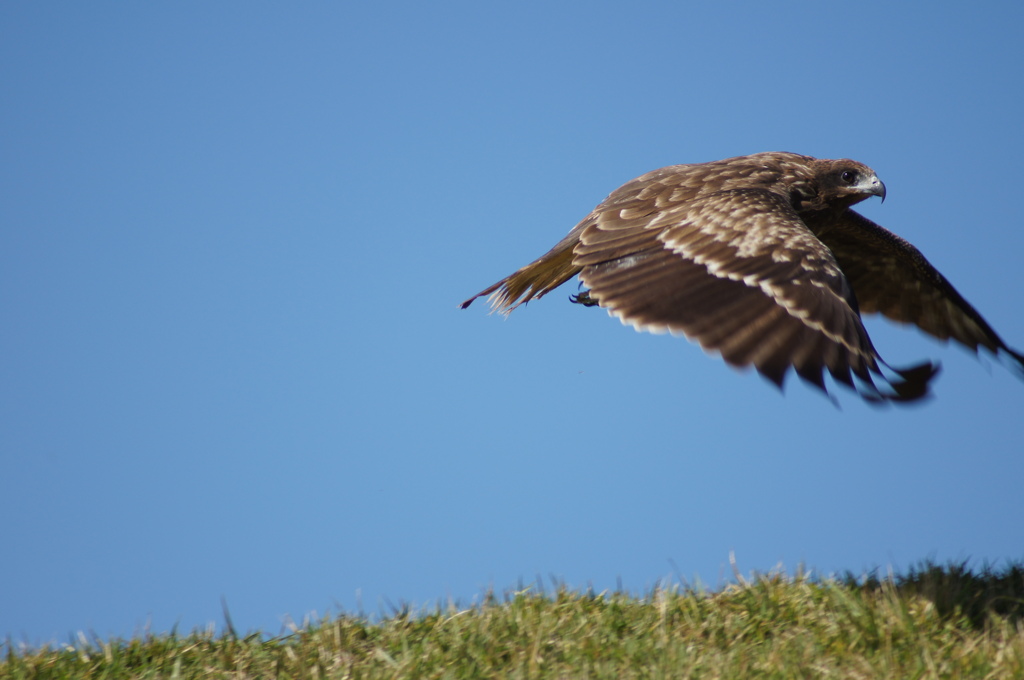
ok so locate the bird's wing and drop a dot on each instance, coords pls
(891, 277)
(739, 272)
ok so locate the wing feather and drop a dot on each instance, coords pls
(739, 272)
(891, 277)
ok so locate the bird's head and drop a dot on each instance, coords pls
(845, 182)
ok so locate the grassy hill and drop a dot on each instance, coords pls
(934, 622)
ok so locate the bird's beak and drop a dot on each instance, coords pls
(876, 187)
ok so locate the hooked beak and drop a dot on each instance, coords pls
(875, 187)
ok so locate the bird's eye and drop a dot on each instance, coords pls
(848, 176)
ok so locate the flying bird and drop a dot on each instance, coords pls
(760, 259)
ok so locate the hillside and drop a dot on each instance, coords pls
(930, 623)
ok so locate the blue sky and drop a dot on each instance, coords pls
(234, 238)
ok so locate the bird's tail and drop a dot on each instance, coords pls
(532, 281)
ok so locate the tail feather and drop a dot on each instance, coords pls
(532, 281)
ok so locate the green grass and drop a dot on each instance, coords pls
(933, 622)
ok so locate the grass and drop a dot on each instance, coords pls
(933, 622)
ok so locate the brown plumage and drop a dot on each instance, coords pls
(761, 259)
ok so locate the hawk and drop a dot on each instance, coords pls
(760, 259)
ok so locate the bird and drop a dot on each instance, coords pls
(760, 259)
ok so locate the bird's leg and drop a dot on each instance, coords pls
(583, 298)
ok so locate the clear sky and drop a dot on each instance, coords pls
(233, 238)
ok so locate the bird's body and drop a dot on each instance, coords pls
(761, 259)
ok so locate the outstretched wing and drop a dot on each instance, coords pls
(891, 277)
(739, 272)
